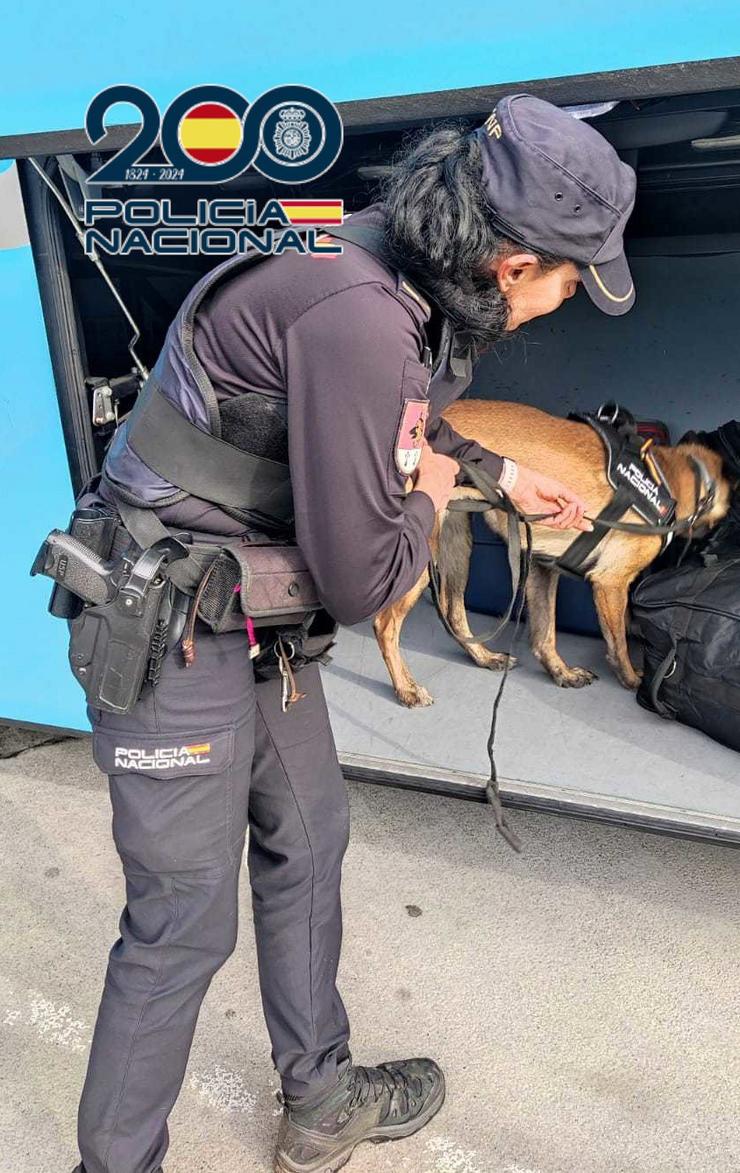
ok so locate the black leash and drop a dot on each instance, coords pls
(494, 498)
(514, 610)
(705, 489)
(520, 562)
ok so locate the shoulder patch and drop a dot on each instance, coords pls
(410, 435)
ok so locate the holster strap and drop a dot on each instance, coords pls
(146, 529)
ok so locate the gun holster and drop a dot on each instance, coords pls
(123, 610)
(117, 648)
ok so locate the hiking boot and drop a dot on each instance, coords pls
(81, 1169)
(368, 1103)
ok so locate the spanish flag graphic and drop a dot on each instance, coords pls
(314, 211)
(210, 133)
(205, 747)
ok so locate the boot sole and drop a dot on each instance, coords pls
(377, 1136)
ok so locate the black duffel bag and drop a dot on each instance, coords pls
(689, 619)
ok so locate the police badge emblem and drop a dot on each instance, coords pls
(292, 137)
(410, 436)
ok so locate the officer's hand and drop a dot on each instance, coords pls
(435, 476)
(534, 493)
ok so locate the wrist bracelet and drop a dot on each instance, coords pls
(509, 474)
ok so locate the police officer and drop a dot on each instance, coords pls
(338, 367)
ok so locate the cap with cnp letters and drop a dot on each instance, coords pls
(554, 184)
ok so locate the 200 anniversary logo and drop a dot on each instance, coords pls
(209, 134)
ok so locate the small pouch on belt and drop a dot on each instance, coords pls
(270, 584)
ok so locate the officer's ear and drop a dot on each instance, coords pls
(515, 270)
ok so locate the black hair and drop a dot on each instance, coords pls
(441, 233)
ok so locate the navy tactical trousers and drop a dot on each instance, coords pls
(206, 754)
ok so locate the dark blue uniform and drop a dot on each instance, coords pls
(340, 344)
(342, 341)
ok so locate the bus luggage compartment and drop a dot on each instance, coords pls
(676, 356)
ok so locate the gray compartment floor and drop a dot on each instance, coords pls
(582, 997)
(595, 740)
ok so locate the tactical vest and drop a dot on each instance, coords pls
(178, 441)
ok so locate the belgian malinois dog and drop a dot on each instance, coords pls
(573, 453)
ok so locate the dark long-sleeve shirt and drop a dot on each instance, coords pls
(341, 339)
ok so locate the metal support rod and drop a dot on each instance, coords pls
(141, 368)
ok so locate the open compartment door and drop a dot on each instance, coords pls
(36, 485)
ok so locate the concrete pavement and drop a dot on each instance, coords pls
(583, 997)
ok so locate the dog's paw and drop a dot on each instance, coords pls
(415, 696)
(625, 674)
(574, 677)
(501, 660)
(495, 661)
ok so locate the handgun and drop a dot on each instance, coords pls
(76, 568)
(96, 528)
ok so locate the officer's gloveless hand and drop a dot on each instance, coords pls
(534, 493)
(435, 476)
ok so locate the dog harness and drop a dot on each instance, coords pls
(634, 475)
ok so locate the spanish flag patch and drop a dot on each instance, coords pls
(313, 211)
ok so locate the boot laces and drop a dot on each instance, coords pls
(375, 1084)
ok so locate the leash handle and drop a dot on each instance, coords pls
(513, 546)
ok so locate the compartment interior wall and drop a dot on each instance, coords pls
(675, 356)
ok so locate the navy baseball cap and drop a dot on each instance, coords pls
(555, 185)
